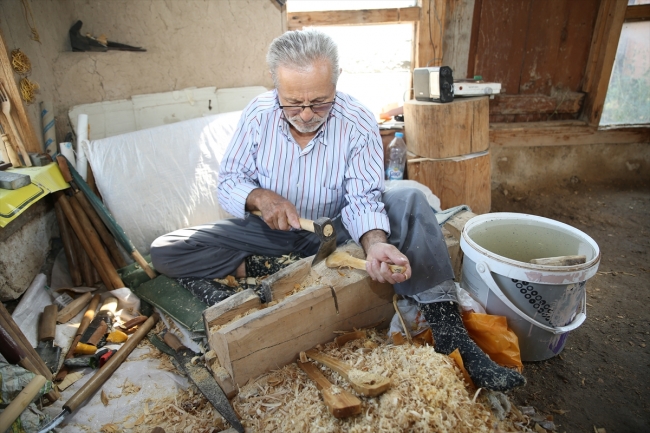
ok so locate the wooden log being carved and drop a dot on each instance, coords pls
(326, 300)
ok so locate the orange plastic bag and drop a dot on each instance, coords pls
(492, 335)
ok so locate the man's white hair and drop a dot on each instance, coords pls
(300, 49)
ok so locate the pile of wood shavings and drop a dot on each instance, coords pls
(427, 394)
(187, 412)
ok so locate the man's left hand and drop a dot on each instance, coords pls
(379, 255)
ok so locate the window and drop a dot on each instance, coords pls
(375, 58)
(628, 96)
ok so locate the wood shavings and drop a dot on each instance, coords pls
(427, 395)
(70, 378)
(129, 388)
(104, 398)
(110, 428)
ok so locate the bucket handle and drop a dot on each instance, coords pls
(484, 271)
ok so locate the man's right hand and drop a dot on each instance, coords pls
(278, 212)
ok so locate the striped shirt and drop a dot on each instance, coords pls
(340, 171)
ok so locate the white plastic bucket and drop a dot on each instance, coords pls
(542, 303)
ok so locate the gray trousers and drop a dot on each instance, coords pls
(215, 250)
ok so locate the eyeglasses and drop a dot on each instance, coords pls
(319, 109)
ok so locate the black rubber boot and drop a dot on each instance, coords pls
(209, 291)
(262, 266)
(449, 334)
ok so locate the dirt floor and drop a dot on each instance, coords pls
(600, 380)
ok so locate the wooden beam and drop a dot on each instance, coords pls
(332, 300)
(457, 36)
(298, 20)
(562, 133)
(568, 102)
(637, 13)
(18, 112)
(429, 33)
(601, 57)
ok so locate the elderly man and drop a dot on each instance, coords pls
(306, 150)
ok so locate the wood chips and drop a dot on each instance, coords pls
(427, 394)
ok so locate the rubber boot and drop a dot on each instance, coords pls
(449, 333)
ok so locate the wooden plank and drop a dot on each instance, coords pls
(601, 57)
(501, 42)
(229, 308)
(18, 112)
(564, 133)
(637, 13)
(457, 36)
(567, 102)
(557, 45)
(442, 130)
(429, 33)
(298, 20)
(456, 223)
(456, 181)
(339, 300)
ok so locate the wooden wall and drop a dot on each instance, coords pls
(533, 47)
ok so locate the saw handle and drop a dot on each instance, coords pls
(173, 341)
(107, 370)
(47, 325)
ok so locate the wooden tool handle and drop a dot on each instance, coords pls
(111, 365)
(68, 248)
(3, 150)
(101, 330)
(79, 230)
(173, 341)
(341, 259)
(305, 224)
(340, 367)
(9, 348)
(11, 152)
(19, 141)
(89, 315)
(103, 261)
(74, 307)
(101, 229)
(47, 325)
(63, 166)
(135, 254)
(22, 400)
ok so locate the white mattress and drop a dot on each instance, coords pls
(165, 178)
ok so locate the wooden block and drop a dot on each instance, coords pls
(229, 308)
(11, 180)
(276, 286)
(456, 181)
(456, 223)
(443, 130)
(339, 300)
(220, 374)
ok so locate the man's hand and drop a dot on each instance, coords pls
(278, 212)
(379, 254)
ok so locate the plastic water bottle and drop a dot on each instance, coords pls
(396, 159)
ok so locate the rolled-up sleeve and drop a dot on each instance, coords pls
(364, 210)
(238, 173)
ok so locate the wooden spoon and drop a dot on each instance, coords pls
(339, 402)
(340, 259)
(368, 384)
